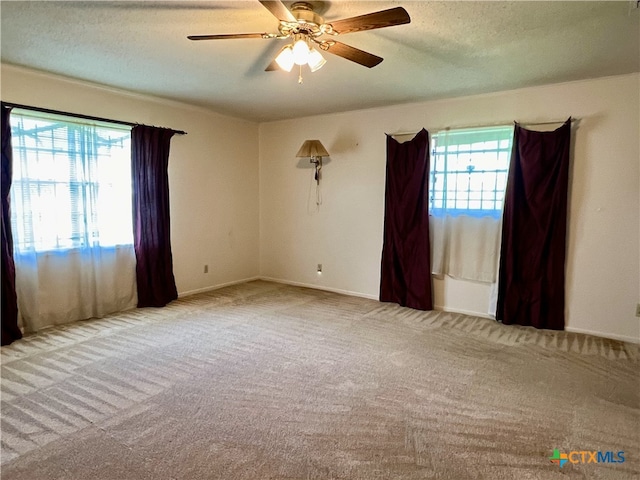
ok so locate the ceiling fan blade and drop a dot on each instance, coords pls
(278, 10)
(355, 55)
(228, 35)
(371, 21)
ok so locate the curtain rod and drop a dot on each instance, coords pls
(79, 115)
(571, 119)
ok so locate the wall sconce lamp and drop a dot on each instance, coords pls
(314, 150)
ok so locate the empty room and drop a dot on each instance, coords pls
(320, 240)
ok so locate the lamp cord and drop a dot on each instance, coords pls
(318, 196)
(317, 177)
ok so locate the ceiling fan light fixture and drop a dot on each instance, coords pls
(303, 27)
(316, 61)
(285, 59)
(300, 52)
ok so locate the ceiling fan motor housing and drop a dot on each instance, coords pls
(308, 20)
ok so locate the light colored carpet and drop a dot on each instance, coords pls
(265, 381)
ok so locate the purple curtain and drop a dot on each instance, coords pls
(10, 330)
(151, 226)
(532, 258)
(406, 263)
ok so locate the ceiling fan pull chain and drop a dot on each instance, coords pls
(300, 75)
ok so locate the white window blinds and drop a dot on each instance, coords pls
(71, 183)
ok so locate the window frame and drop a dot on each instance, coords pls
(78, 239)
(440, 205)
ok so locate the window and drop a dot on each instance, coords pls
(469, 171)
(71, 183)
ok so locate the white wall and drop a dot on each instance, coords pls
(213, 172)
(220, 219)
(345, 235)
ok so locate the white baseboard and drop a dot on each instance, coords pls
(463, 311)
(215, 287)
(320, 287)
(612, 336)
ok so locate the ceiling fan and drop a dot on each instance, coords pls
(305, 27)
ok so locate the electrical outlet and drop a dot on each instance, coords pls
(319, 270)
(206, 269)
(638, 310)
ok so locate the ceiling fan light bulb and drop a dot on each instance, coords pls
(316, 60)
(300, 52)
(285, 59)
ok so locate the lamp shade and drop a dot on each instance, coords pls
(316, 60)
(285, 58)
(312, 148)
(300, 52)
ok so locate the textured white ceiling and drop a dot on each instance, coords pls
(450, 48)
